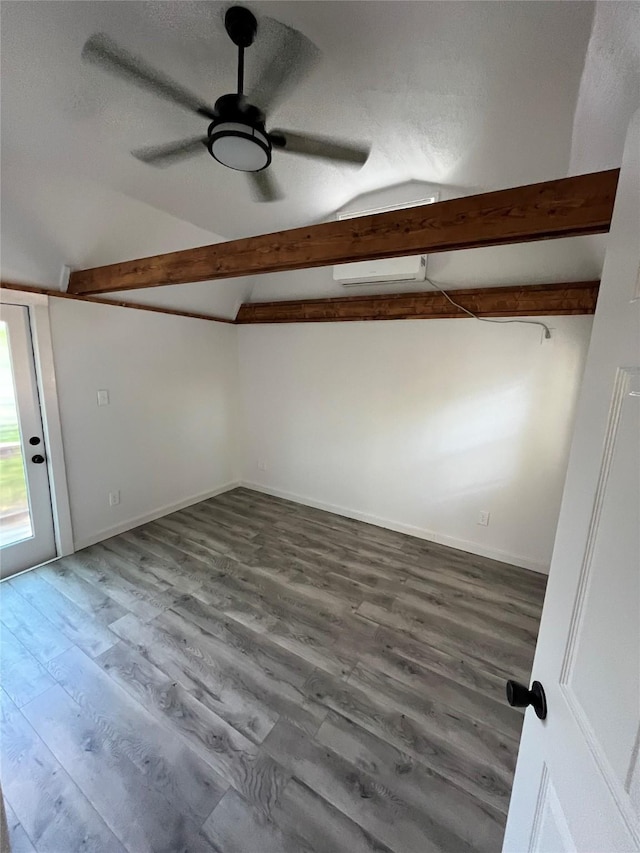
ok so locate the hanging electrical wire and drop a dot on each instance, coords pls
(547, 330)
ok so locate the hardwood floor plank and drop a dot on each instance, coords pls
(454, 726)
(275, 690)
(18, 839)
(54, 813)
(496, 602)
(253, 580)
(324, 613)
(473, 569)
(340, 560)
(232, 755)
(247, 695)
(476, 616)
(497, 654)
(354, 792)
(94, 602)
(322, 825)
(235, 826)
(132, 565)
(411, 557)
(140, 549)
(276, 662)
(30, 626)
(216, 543)
(479, 676)
(237, 522)
(184, 707)
(70, 619)
(112, 578)
(429, 681)
(327, 624)
(452, 576)
(136, 808)
(438, 745)
(212, 521)
(298, 635)
(23, 677)
(162, 762)
(170, 544)
(335, 525)
(468, 819)
(306, 575)
(322, 539)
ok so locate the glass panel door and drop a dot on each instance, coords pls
(26, 520)
(15, 517)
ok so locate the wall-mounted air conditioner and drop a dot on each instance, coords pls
(412, 268)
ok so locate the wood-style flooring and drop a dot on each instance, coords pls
(249, 675)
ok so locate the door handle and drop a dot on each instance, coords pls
(519, 696)
(38, 459)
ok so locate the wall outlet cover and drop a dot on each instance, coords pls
(483, 517)
(114, 498)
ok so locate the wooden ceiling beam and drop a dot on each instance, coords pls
(568, 207)
(523, 300)
(60, 294)
(577, 297)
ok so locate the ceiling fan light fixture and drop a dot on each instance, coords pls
(239, 146)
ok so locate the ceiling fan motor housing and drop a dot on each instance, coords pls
(237, 138)
(241, 25)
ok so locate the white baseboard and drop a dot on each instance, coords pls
(400, 527)
(420, 532)
(108, 532)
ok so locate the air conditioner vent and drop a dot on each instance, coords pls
(412, 268)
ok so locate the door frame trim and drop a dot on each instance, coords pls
(38, 307)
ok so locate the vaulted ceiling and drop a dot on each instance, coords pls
(460, 97)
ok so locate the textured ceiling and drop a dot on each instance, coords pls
(464, 96)
(475, 95)
(609, 89)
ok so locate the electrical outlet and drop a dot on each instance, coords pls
(483, 517)
(262, 465)
(114, 498)
(103, 397)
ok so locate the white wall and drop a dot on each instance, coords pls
(418, 425)
(168, 436)
(51, 219)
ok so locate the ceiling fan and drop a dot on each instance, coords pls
(236, 136)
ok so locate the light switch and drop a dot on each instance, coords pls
(103, 397)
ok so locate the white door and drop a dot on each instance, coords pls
(26, 520)
(577, 782)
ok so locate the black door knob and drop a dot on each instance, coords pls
(34, 440)
(519, 696)
(38, 459)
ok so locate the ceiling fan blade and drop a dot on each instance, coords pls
(101, 50)
(292, 57)
(164, 155)
(320, 146)
(263, 186)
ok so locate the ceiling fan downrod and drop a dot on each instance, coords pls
(241, 27)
